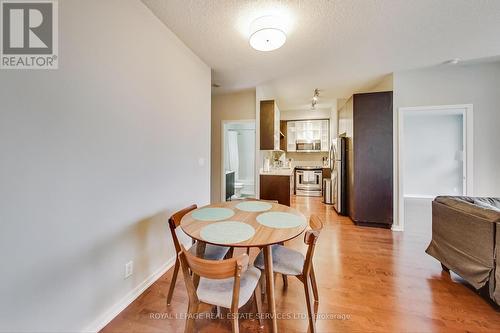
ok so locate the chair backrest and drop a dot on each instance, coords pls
(174, 221)
(310, 238)
(215, 269)
(212, 269)
(315, 223)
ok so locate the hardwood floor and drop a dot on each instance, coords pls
(370, 280)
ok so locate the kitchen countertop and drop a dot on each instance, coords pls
(278, 172)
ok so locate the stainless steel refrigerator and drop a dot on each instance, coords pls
(339, 174)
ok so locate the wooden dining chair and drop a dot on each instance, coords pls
(287, 261)
(285, 280)
(212, 252)
(226, 283)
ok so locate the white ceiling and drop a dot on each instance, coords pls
(338, 46)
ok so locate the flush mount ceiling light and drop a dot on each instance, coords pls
(267, 34)
(453, 61)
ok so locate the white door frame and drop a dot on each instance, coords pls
(468, 151)
(224, 123)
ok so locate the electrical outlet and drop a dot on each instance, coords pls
(129, 269)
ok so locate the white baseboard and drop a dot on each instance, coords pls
(397, 228)
(103, 320)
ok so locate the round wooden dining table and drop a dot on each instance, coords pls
(272, 223)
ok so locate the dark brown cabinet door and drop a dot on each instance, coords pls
(283, 130)
(276, 188)
(373, 158)
(267, 125)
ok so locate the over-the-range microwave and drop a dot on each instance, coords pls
(308, 145)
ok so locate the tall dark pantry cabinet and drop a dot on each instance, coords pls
(367, 121)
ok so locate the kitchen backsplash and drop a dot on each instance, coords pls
(307, 159)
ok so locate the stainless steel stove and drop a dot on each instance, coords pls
(308, 181)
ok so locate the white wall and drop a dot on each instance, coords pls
(385, 84)
(95, 156)
(432, 147)
(334, 120)
(418, 216)
(476, 84)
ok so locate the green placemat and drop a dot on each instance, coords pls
(280, 220)
(227, 232)
(212, 214)
(254, 206)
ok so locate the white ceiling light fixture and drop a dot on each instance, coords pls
(453, 61)
(267, 34)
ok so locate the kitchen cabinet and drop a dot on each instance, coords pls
(283, 142)
(269, 125)
(367, 121)
(308, 131)
(276, 187)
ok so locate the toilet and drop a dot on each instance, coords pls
(238, 187)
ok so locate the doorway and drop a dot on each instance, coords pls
(435, 158)
(238, 160)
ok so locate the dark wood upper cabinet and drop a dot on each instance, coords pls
(283, 130)
(370, 158)
(269, 125)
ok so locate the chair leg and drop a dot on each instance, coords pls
(314, 285)
(258, 304)
(263, 282)
(173, 281)
(234, 321)
(271, 302)
(311, 316)
(200, 253)
(217, 309)
(190, 320)
(285, 281)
